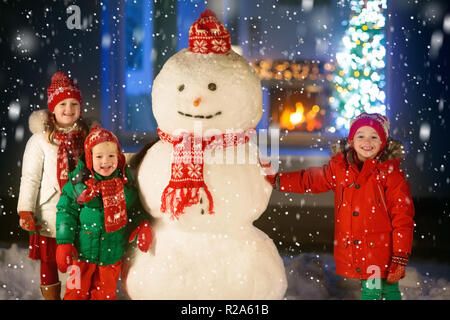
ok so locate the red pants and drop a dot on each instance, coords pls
(44, 248)
(89, 281)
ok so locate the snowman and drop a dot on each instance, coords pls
(202, 182)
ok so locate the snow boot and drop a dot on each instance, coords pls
(52, 291)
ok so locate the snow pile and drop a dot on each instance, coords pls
(19, 276)
(310, 277)
(426, 286)
(313, 276)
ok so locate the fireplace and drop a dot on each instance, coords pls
(299, 96)
(299, 93)
(294, 110)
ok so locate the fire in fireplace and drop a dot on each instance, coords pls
(299, 93)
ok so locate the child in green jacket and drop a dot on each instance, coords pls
(93, 212)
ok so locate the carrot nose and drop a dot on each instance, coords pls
(197, 102)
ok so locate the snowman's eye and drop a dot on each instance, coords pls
(181, 87)
(212, 86)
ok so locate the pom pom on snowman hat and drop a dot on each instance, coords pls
(209, 35)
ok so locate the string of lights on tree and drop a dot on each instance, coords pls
(360, 72)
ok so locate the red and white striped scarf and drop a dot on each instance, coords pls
(69, 149)
(186, 177)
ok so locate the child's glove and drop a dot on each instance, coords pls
(269, 173)
(397, 267)
(144, 234)
(273, 180)
(64, 253)
(26, 221)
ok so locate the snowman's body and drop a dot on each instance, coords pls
(201, 255)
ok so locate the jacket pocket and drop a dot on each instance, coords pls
(46, 193)
(339, 197)
(379, 249)
(112, 246)
(381, 200)
(379, 240)
(341, 248)
(340, 193)
(89, 244)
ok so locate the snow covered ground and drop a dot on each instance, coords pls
(313, 276)
(310, 276)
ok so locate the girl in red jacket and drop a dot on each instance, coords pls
(373, 205)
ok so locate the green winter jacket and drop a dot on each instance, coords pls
(84, 224)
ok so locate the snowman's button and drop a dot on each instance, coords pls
(212, 86)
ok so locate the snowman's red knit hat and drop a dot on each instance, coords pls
(209, 35)
(61, 88)
(374, 120)
(99, 135)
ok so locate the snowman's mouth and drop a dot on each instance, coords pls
(199, 116)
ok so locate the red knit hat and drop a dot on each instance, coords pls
(99, 135)
(209, 35)
(61, 87)
(374, 120)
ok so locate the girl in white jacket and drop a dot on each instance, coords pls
(50, 154)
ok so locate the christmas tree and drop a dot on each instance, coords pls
(360, 73)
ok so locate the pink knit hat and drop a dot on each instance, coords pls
(209, 35)
(374, 120)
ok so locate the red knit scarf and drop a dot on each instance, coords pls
(113, 196)
(69, 149)
(186, 177)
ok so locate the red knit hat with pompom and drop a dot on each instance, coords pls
(209, 35)
(61, 87)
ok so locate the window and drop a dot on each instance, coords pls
(291, 44)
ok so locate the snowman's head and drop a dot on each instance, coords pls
(207, 88)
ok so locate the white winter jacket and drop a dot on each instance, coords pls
(39, 189)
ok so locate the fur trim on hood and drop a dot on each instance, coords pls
(39, 118)
(394, 149)
(37, 121)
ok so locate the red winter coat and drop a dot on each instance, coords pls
(373, 208)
